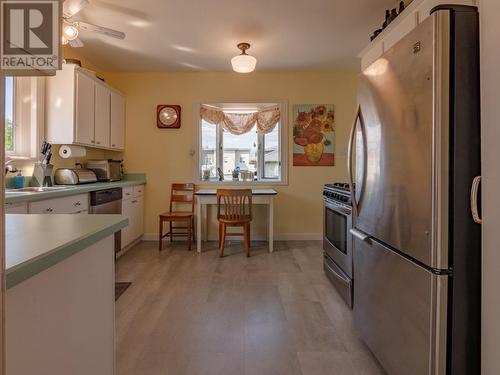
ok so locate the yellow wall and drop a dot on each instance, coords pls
(164, 155)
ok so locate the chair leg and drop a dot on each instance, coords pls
(161, 235)
(222, 239)
(171, 233)
(220, 233)
(247, 239)
(190, 234)
(194, 232)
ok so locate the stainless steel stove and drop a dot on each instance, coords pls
(337, 240)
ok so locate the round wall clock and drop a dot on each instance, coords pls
(168, 116)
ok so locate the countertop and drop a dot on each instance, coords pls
(34, 243)
(130, 179)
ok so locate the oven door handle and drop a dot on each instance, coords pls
(350, 147)
(336, 208)
(359, 235)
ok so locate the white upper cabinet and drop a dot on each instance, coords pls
(416, 12)
(83, 110)
(117, 121)
(102, 116)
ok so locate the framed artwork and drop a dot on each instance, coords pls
(313, 135)
(168, 116)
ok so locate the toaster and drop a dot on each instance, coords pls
(74, 176)
(106, 170)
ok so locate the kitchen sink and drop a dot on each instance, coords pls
(33, 189)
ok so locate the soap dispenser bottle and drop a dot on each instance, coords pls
(18, 180)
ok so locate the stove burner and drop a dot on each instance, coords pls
(339, 185)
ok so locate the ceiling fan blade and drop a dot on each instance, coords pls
(100, 29)
(76, 43)
(72, 7)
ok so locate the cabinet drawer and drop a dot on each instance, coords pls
(16, 208)
(127, 192)
(66, 205)
(138, 191)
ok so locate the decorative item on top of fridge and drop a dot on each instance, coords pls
(390, 15)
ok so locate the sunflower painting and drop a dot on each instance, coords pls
(313, 135)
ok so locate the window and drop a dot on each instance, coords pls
(23, 116)
(238, 146)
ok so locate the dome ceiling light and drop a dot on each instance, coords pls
(243, 63)
(70, 32)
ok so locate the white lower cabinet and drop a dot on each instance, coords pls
(75, 204)
(127, 231)
(16, 208)
(133, 209)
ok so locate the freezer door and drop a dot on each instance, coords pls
(400, 137)
(400, 310)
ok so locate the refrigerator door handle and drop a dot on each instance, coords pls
(359, 235)
(359, 115)
(474, 200)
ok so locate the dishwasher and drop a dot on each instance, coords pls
(108, 201)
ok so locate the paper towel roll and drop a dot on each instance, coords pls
(67, 152)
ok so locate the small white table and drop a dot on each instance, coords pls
(259, 196)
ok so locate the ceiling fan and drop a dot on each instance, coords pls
(71, 28)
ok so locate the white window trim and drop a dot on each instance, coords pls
(28, 118)
(195, 152)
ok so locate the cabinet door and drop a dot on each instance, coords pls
(117, 121)
(127, 231)
(138, 210)
(85, 109)
(102, 115)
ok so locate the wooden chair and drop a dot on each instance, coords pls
(234, 209)
(180, 194)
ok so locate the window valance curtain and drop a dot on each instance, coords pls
(241, 123)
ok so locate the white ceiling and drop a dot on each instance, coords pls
(201, 35)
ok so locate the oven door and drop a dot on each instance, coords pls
(337, 240)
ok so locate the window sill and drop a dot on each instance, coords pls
(240, 183)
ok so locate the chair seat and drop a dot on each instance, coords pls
(241, 220)
(177, 215)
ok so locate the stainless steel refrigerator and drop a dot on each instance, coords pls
(417, 237)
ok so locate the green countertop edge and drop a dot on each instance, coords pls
(132, 179)
(24, 271)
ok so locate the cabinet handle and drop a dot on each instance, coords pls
(134, 201)
(113, 145)
(77, 204)
(98, 142)
(50, 209)
(92, 141)
(127, 193)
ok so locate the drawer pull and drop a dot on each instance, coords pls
(92, 141)
(76, 204)
(50, 209)
(113, 145)
(98, 142)
(134, 201)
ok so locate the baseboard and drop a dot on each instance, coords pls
(277, 237)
